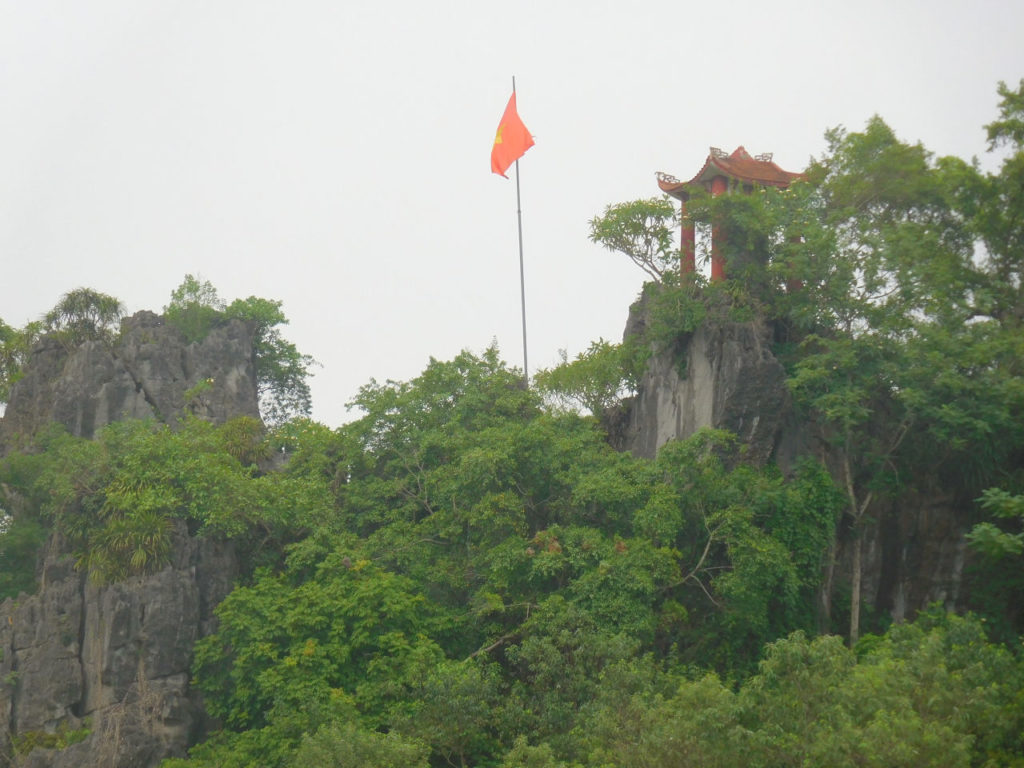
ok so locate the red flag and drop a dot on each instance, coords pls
(511, 140)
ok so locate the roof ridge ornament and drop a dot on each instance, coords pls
(740, 167)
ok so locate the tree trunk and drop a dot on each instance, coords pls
(825, 593)
(857, 511)
(858, 543)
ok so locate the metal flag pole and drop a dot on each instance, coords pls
(522, 274)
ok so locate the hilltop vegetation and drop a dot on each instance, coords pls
(468, 575)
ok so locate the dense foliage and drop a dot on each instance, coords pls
(892, 283)
(116, 498)
(465, 575)
(463, 578)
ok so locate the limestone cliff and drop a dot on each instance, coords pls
(147, 372)
(720, 376)
(111, 663)
(725, 376)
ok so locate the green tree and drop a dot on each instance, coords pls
(596, 380)
(84, 315)
(897, 358)
(643, 230)
(195, 307)
(15, 346)
(559, 664)
(348, 746)
(523, 755)
(20, 541)
(932, 693)
(900, 342)
(453, 708)
(998, 575)
(749, 546)
(116, 499)
(991, 540)
(464, 568)
(292, 643)
(281, 371)
(993, 203)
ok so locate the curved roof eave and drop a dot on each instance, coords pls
(739, 166)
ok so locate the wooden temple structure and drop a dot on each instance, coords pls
(721, 172)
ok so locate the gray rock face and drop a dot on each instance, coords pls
(916, 555)
(113, 659)
(146, 373)
(723, 377)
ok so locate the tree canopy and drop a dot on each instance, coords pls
(467, 574)
(891, 280)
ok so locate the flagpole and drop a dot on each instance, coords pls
(522, 274)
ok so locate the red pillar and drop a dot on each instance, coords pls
(718, 186)
(687, 244)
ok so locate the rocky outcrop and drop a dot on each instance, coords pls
(725, 376)
(720, 376)
(98, 675)
(148, 372)
(916, 554)
(109, 662)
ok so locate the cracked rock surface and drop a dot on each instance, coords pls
(112, 660)
(721, 376)
(111, 663)
(147, 372)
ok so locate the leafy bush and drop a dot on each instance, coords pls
(116, 497)
(15, 346)
(84, 315)
(62, 738)
(596, 380)
(20, 541)
(194, 308)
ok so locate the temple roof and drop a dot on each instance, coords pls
(740, 165)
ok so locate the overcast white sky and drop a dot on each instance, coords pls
(335, 155)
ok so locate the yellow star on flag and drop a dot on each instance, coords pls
(511, 140)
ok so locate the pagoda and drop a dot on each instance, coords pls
(721, 173)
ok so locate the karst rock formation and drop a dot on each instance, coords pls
(114, 659)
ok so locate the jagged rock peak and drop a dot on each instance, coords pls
(722, 376)
(148, 371)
